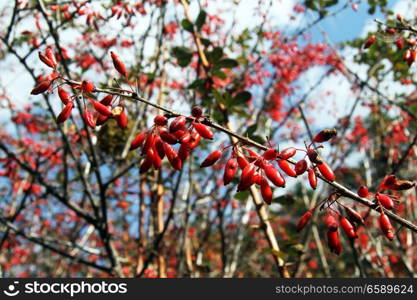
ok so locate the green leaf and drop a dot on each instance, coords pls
(227, 63)
(197, 84)
(251, 130)
(201, 19)
(183, 55)
(187, 25)
(242, 98)
(215, 55)
(242, 195)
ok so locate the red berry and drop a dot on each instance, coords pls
(65, 113)
(118, 64)
(247, 177)
(266, 190)
(168, 137)
(331, 223)
(363, 191)
(274, 175)
(370, 42)
(178, 124)
(41, 87)
(138, 141)
(160, 120)
(354, 215)
(325, 135)
(326, 171)
(122, 120)
(211, 159)
(196, 111)
(304, 220)
(386, 227)
(286, 167)
(230, 170)
(89, 118)
(288, 153)
(87, 86)
(46, 60)
(312, 178)
(102, 109)
(270, 154)
(385, 200)
(107, 100)
(203, 130)
(63, 95)
(334, 241)
(348, 228)
(300, 167)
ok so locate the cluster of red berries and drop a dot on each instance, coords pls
(102, 110)
(258, 169)
(352, 218)
(157, 142)
(410, 53)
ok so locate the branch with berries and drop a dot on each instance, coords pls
(257, 169)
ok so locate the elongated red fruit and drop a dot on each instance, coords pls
(304, 220)
(194, 140)
(149, 143)
(89, 118)
(173, 157)
(331, 223)
(326, 171)
(178, 124)
(270, 154)
(266, 190)
(274, 175)
(122, 120)
(247, 177)
(118, 64)
(369, 42)
(363, 191)
(230, 170)
(138, 141)
(160, 120)
(300, 167)
(159, 146)
(147, 162)
(65, 113)
(203, 130)
(168, 137)
(348, 228)
(184, 152)
(385, 200)
(386, 227)
(185, 136)
(286, 167)
(51, 56)
(157, 161)
(288, 153)
(211, 159)
(242, 162)
(41, 87)
(87, 86)
(46, 60)
(63, 95)
(312, 178)
(334, 241)
(325, 135)
(107, 100)
(354, 215)
(102, 109)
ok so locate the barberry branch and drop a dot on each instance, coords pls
(247, 141)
